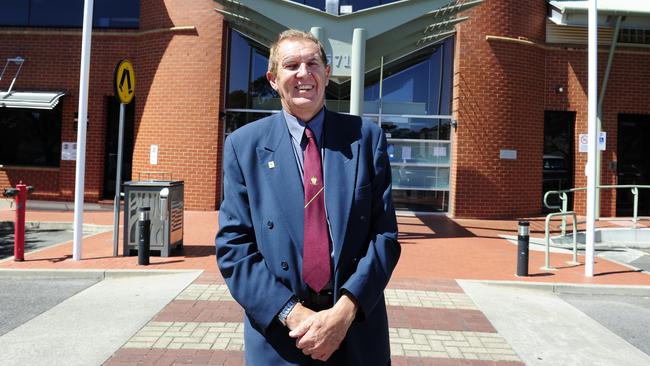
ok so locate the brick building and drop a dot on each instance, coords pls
(483, 101)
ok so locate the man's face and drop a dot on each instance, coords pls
(301, 78)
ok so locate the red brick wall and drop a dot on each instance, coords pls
(627, 92)
(53, 63)
(501, 90)
(179, 76)
(499, 104)
(178, 81)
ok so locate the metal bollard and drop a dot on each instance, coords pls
(523, 239)
(20, 194)
(144, 235)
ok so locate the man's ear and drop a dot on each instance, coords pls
(272, 80)
(327, 74)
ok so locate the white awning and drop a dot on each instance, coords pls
(612, 7)
(574, 13)
(33, 100)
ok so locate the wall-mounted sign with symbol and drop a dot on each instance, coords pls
(602, 141)
(124, 81)
(584, 142)
(69, 151)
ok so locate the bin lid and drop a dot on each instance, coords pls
(154, 183)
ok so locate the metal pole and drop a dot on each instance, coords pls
(118, 182)
(81, 129)
(19, 227)
(357, 71)
(381, 90)
(593, 137)
(601, 98)
(523, 240)
(144, 235)
(547, 241)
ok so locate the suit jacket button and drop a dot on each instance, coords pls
(284, 265)
(269, 224)
(362, 218)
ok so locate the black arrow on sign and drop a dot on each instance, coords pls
(126, 76)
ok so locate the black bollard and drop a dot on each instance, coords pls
(144, 235)
(522, 248)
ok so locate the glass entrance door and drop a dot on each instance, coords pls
(410, 99)
(557, 171)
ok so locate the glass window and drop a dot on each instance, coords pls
(56, 13)
(247, 84)
(14, 12)
(262, 94)
(318, 4)
(116, 14)
(409, 87)
(30, 137)
(69, 13)
(416, 93)
(356, 4)
(239, 60)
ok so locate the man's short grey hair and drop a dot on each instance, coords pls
(293, 34)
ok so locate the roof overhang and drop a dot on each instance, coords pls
(574, 13)
(30, 100)
(393, 30)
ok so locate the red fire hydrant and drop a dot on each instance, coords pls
(20, 193)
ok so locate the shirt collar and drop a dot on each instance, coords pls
(297, 127)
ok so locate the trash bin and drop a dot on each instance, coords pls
(166, 215)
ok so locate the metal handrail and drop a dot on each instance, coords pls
(562, 194)
(565, 201)
(547, 257)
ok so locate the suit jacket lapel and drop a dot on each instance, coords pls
(280, 169)
(340, 169)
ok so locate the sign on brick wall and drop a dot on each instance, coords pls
(124, 81)
(584, 142)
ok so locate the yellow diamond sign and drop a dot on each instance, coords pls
(124, 81)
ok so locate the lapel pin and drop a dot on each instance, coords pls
(314, 180)
(271, 164)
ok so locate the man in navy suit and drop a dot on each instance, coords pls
(302, 179)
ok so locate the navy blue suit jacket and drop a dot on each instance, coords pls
(259, 243)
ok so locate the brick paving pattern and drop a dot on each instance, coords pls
(432, 323)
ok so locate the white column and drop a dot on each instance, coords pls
(82, 119)
(357, 71)
(593, 137)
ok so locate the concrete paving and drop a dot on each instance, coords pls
(545, 330)
(88, 327)
(433, 321)
(23, 299)
(627, 316)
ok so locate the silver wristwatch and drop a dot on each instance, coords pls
(284, 313)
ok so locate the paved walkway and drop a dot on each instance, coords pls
(432, 320)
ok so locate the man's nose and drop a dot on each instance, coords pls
(302, 70)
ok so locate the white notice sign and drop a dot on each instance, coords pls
(439, 151)
(508, 154)
(602, 141)
(584, 142)
(69, 151)
(406, 153)
(153, 155)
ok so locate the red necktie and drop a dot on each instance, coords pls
(316, 249)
